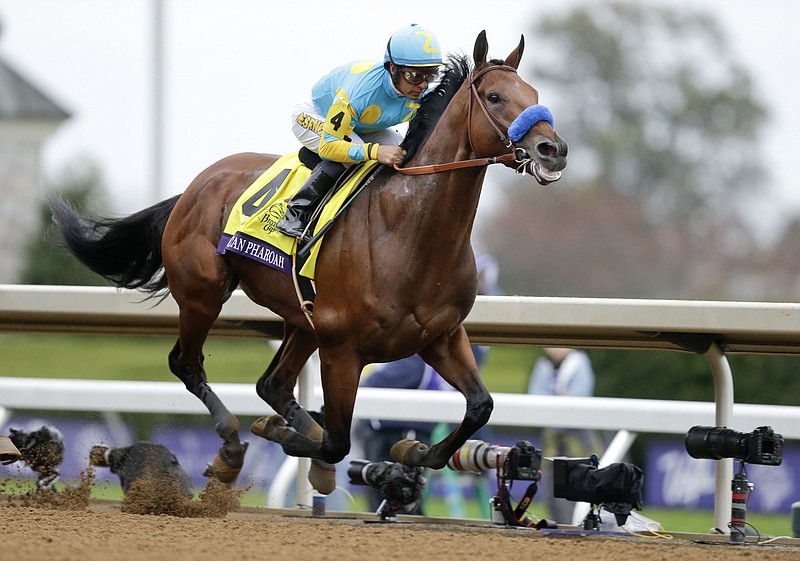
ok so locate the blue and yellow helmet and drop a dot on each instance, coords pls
(413, 45)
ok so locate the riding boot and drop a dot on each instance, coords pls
(300, 208)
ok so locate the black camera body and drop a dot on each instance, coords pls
(523, 462)
(398, 484)
(42, 450)
(763, 446)
(581, 479)
(143, 461)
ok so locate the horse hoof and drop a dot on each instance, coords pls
(409, 452)
(322, 476)
(221, 471)
(272, 428)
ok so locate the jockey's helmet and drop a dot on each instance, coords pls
(413, 45)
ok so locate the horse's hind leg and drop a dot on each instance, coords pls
(197, 315)
(452, 357)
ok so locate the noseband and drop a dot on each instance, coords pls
(514, 132)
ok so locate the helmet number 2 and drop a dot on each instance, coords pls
(427, 45)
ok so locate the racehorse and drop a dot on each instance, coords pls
(395, 275)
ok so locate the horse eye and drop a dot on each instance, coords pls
(494, 97)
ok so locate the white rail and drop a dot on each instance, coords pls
(511, 410)
(736, 327)
(704, 327)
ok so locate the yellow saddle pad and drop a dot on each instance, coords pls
(250, 230)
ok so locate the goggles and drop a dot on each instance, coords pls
(416, 77)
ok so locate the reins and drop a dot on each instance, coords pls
(436, 168)
(496, 124)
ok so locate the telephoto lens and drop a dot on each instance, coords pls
(358, 472)
(476, 456)
(713, 443)
(762, 446)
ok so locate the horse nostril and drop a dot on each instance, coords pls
(547, 149)
(552, 149)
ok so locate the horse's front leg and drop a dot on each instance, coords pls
(294, 429)
(452, 357)
(276, 385)
(340, 373)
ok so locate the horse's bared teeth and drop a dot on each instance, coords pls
(549, 175)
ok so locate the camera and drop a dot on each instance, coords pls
(618, 486)
(400, 485)
(143, 461)
(41, 450)
(762, 446)
(521, 462)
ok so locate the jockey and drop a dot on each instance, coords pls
(351, 110)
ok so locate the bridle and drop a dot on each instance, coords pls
(518, 155)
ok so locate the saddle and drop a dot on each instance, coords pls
(251, 227)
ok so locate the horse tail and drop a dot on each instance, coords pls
(125, 251)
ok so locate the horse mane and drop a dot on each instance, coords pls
(434, 103)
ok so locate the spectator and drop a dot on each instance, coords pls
(563, 372)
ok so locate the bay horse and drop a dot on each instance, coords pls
(395, 276)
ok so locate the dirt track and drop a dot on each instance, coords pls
(102, 532)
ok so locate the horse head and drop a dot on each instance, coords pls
(514, 121)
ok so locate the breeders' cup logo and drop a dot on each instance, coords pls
(272, 215)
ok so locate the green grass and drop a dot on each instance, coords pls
(113, 357)
(702, 521)
(103, 357)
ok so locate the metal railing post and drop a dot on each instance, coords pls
(723, 469)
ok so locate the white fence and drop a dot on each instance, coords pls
(707, 328)
(511, 410)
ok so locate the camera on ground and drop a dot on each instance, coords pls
(42, 450)
(617, 487)
(400, 486)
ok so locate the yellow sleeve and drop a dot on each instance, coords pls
(334, 144)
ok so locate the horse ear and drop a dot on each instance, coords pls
(513, 59)
(481, 49)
